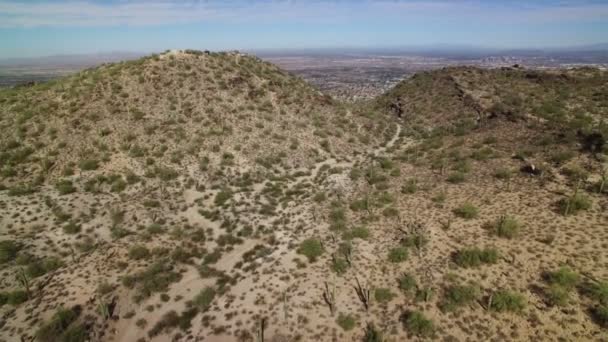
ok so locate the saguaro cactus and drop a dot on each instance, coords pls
(364, 294)
(330, 297)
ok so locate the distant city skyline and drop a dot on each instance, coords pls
(52, 27)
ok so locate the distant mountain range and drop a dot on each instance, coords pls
(435, 50)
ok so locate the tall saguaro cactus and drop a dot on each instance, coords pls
(364, 294)
(330, 297)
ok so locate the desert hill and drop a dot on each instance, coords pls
(212, 196)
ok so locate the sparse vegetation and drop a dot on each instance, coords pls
(475, 257)
(505, 300)
(311, 248)
(417, 324)
(466, 211)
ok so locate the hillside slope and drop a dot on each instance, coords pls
(194, 196)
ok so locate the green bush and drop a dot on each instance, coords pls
(311, 248)
(417, 324)
(600, 314)
(475, 257)
(407, 283)
(72, 228)
(466, 211)
(156, 278)
(557, 295)
(139, 252)
(502, 173)
(88, 164)
(564, 277)
(457, 296)
(16, 297)
(505, 300)
(456, 177)
(8, 250)
(65, 187)
(58, 328)
(561, 283)
(572, 205)
(397, 254)
(383, 295)
(39, 268)
(598, 292)
(410, 187)
(204, 298)
(507, 227)
(339, 265)
(372, 334)
(222, 197)
(155, 229)
(346, 322)
(356, 233)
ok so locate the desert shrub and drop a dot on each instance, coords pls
(118, 185)
(598, 292)
(561, 283)
(165, 173)
(339, 265)
(167, 322)
(390, 212)
(600, 315)
(564, 276)
(561, 157)
(139, 252)
(407, 283)
(72, 228)
(383, 295)
(397, 254)
(21, 190)
(65, 187)
(572, 205)
(156, 278)
(466, 211)
(507, 227)
(372, 334)
(75, 333)
(88, 164)
(61, 328)
(357, 233)
(8, 250)
(475, 257)
(319, 197)
(575, 173)
(505, 300)
(456, 177)
(311, 248)
(410, 187)
(417, 324)
(502, 173)
(155, 229)
(346, 322)
(457, 296)
(415, 240)
(222, 197)
(39, 268)
(15, 298)
(557, 295)
(204, 298)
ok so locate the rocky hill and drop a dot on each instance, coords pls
(212, 196)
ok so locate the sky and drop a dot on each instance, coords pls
(31, 28)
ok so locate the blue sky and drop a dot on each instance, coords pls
(48, 27)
